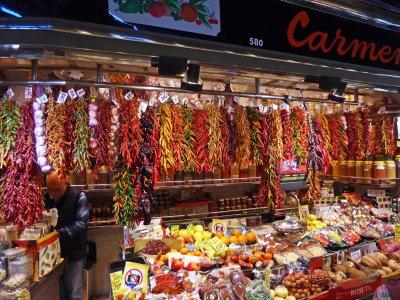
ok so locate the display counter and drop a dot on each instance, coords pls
(48, 286)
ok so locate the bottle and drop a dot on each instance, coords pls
(379, 170)
(368, 171)
(351, 170)
(359, 170)
(235, 173)
(390, 169)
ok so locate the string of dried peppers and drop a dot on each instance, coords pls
(55, 133)
(103, 151)
(178, 137)
(22, 184)
(270, 193)
(243, 143)
(201, 141)
(254, 117)
(325, 134)
(384, 139)
(215, 143)
(287, 136)
(167, 161)
(10, 118)
(355, 134)
(80, 151)
(300, 133)
(69, 134)
(189, 157)
(226, 139)
(338, 137)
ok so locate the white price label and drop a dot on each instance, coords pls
(81, 93)
(151, 101)
(236, 99)
(381, 110)
(185, 101)
(230, 109)
(62, 97)
(274, 107)
(175, 99)
(72, 94)
(284, 106)
(301, 106)
(42, 99)
(128, 96)
(329, 110)
(28, 92)
(198, 103)
(163, 97)
(261, 108)
(356, 256)
(10, 93)
(143, 106)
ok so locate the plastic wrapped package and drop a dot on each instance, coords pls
(21, 265)
(257, 290)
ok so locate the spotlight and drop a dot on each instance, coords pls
(192, 81)
(336, 98)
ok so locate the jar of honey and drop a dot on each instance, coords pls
(359, 170)
(252, 172)
(343, 169)
(368, 171)
(379, 170)
(335, 169)
(235, 173)
(390, 169)
(351, 170)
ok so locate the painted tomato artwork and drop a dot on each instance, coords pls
(198, 16)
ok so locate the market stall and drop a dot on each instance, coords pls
(212, 171)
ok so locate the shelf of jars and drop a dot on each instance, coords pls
(187, 184)
(387, 183)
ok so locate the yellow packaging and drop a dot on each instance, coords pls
(219, 226)
(136, 277)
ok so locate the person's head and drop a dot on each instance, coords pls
(56, 185)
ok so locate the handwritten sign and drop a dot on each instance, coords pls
(191, 247)
(42, 99)
(81, 93)
(356, 256)
(116, 282)
(28, 92)
(128, 96)
(62, 97)
(217, 244)
(72, 94)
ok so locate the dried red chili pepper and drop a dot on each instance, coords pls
(287, 137)
(226, 139)
(22, 184)
(338, 137)
(355, 134)
(201, 142)
(300, 133)
(103, 151)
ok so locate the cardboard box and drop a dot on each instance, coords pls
(358, 287)
(327, 295)
(46, 253)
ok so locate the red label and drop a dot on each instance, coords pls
(316, 263)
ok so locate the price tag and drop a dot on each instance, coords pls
(143, 106)
(397, 233)
(217, 244)
(62, 97)
(198, 103)
(128, 96)
(230, 109)
(10, 93)
(72, 94)
(301, 106)
(190, 227)
(163, 97)
(116, 281)
(191, 247)
(236, 99)
(185, 101)
(151, 101)
(274, 107)
(42, 99)
(284, 106)
(175, 99)
(261, 108)
(174, 229)
(48, 90)
(28, 92)
(381, 110)
(329, 110)
(267, 277)
(356, 256)
(81, 93)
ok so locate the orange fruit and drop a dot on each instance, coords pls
(233, 240)
(267, 255)
(197, 253)
(160, 263)
(242, 239)
(225, 240)
(184, 251)
(219, 234)
(251, 237)
(236, 233)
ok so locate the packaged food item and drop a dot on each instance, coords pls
(291, 256)
(14, 281)
(14, 252)
(18, 294)
(31, 234)
(316, 250)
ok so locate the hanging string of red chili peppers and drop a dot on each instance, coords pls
(254, 117)
(103, 151)
(300, 133)
(56, 136)
(201, 141)
(80, 151)
(10, 119)
(69, 134)
(369, 134)
(287, 136)
(178, 136)
(22, 184)
(270, 193)
(189, 157)
(355, 134)
(215, 143)
(338, 137)
(243, 143)
(325, 136)
(384, 139)
(226, 139)
(167, 160)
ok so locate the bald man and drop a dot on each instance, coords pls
(73, 219)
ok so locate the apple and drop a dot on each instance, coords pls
(198, 236)
(193, 266)
(207, 235)
(189, 240)
(198, 228)
(176, 265)
(191, 232)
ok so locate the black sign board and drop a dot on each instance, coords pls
(272, 25)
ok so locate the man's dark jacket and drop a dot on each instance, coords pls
(73, 220)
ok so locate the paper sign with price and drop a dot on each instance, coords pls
(116, 282)
(217, 244)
